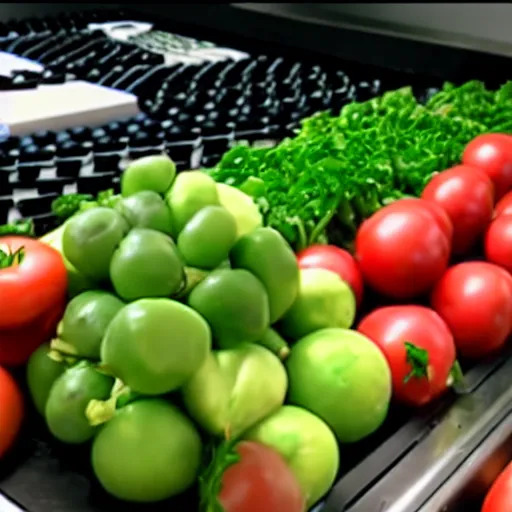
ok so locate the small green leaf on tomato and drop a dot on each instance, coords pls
(418, 359)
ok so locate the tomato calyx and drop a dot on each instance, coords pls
(8, 258)
(221, 457)
(418, 359)
(456, 378)
(101, 411)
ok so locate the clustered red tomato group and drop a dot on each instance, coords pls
(444, 261)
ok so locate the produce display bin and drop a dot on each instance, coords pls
(249, 72)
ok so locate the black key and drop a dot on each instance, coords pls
(181, 151)
(44, 223)
(144, 151)
(5, 173)
(31, 154)
(80, 133)
(35, 205)
(69, 167)
(96, 183)
(216, 145)
(9, 144)
(151, 126)
(98, 133)
(116, 185)
(54, 185)
(5, 205)
(61, 137)
(107, 162)
(70, 148)
(26, 141)
(44, 137)
(108, 144)
(29, 172)
(210, 160)
(116, 129)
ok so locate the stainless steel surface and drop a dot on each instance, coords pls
(426, 468)
(477, 26)
(466, 488)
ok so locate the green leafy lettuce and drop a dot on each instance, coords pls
(319, 185)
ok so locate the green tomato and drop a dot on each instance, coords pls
(77, 282)
(146, 264)
(235, 304)
(155, 345)
(207, 238)
(68, 400)
(90, 238)
(242, 207)
(341, 376)
(235, 389)
(190, 192)
(148, 452)
(266, 254)
(146, 209)
(324, 300)
(85, 321)
(154, 172)
(42, 372)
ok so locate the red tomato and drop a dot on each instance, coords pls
(402, 250)
(492, 152)
(504, 206)
(467, 196)
(499, 497)
(260, 481)
(419, 348)
(437, 211)
(498, 242)
(17, 345)
(11, 411)
(475, 300)
(32, 286)
(339, 261)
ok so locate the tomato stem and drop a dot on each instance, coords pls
(65, 348)
(192, 277)
(456, 378)
(418, 359)
(10, 259)
(59, 357)
(101, 411)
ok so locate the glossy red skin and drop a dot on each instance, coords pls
(11, 411)
(499, 497)
(17, 345)
(339, 261)
(260, 482)
(475, 300)
(467, 196)
(498, 242)
(492, 153)
(390, 327)
(34, 286)
(437, 211)
(402, 251)
(504, 205)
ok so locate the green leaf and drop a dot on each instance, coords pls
(418, 359)
(218, 458)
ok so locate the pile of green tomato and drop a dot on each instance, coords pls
(172, 338)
